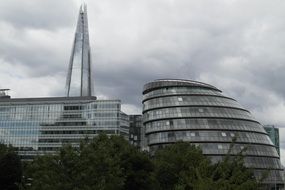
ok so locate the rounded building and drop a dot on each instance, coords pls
(176, 110)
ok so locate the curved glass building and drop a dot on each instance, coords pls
(176, 110)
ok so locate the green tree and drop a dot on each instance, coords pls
(176, 165)
(182, 166)
(107, 163)
(10, 168)
(231, 173)
(102, 163)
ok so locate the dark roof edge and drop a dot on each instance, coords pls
(51, 99)
(162, 83)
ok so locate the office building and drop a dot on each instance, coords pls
(136, 131)
(37, 126)
(273, 133)
(199, 113)
(42, 125)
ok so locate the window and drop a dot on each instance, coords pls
(220, 146)
(232, 134)
(170, 134)
(224, 134)
(180, 99)
(201, 110)
(192, 134)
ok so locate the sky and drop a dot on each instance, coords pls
(236, 45)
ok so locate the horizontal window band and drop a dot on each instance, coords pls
(198, 106)
(229, 118)
(205, 129)
(221, 142)
(182, 94)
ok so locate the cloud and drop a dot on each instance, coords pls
(237, 46)
(35, 48)
(26, 86)
(47, 14)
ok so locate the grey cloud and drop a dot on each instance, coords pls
(237, 46)
(43, 52)
(234, 45)
(49, 14)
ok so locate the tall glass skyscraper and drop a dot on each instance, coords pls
(79, 81)
(199, 113)
(42, 125)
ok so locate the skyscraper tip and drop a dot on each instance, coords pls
(79, 81)
(83, 7)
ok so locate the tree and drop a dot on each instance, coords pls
(110, 162)
(176, 165)
(182, 166)
(231, 173)
(10, 168)
(102, 163)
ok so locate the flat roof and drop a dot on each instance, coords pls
(50, 99)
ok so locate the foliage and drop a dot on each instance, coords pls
(10, 168)
(110, 162)
(104, 163)
(182, 166)
(231, 173)
(176, 165)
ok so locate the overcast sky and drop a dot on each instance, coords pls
(236, 45)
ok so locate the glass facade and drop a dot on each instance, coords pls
(176, 110)
(136, 133)
(42, 125)
(273, 133)
(79, 82)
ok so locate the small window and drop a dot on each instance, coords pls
(167, 123)
(220, 146)
(180, 99)
(232, 134)
(192, 134)
(201, 110)
(224, 134)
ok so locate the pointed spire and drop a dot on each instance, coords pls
(83, 7)
(78, 82)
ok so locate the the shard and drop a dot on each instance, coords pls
(79, 81)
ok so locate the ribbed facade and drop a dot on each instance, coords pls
(176, 110)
